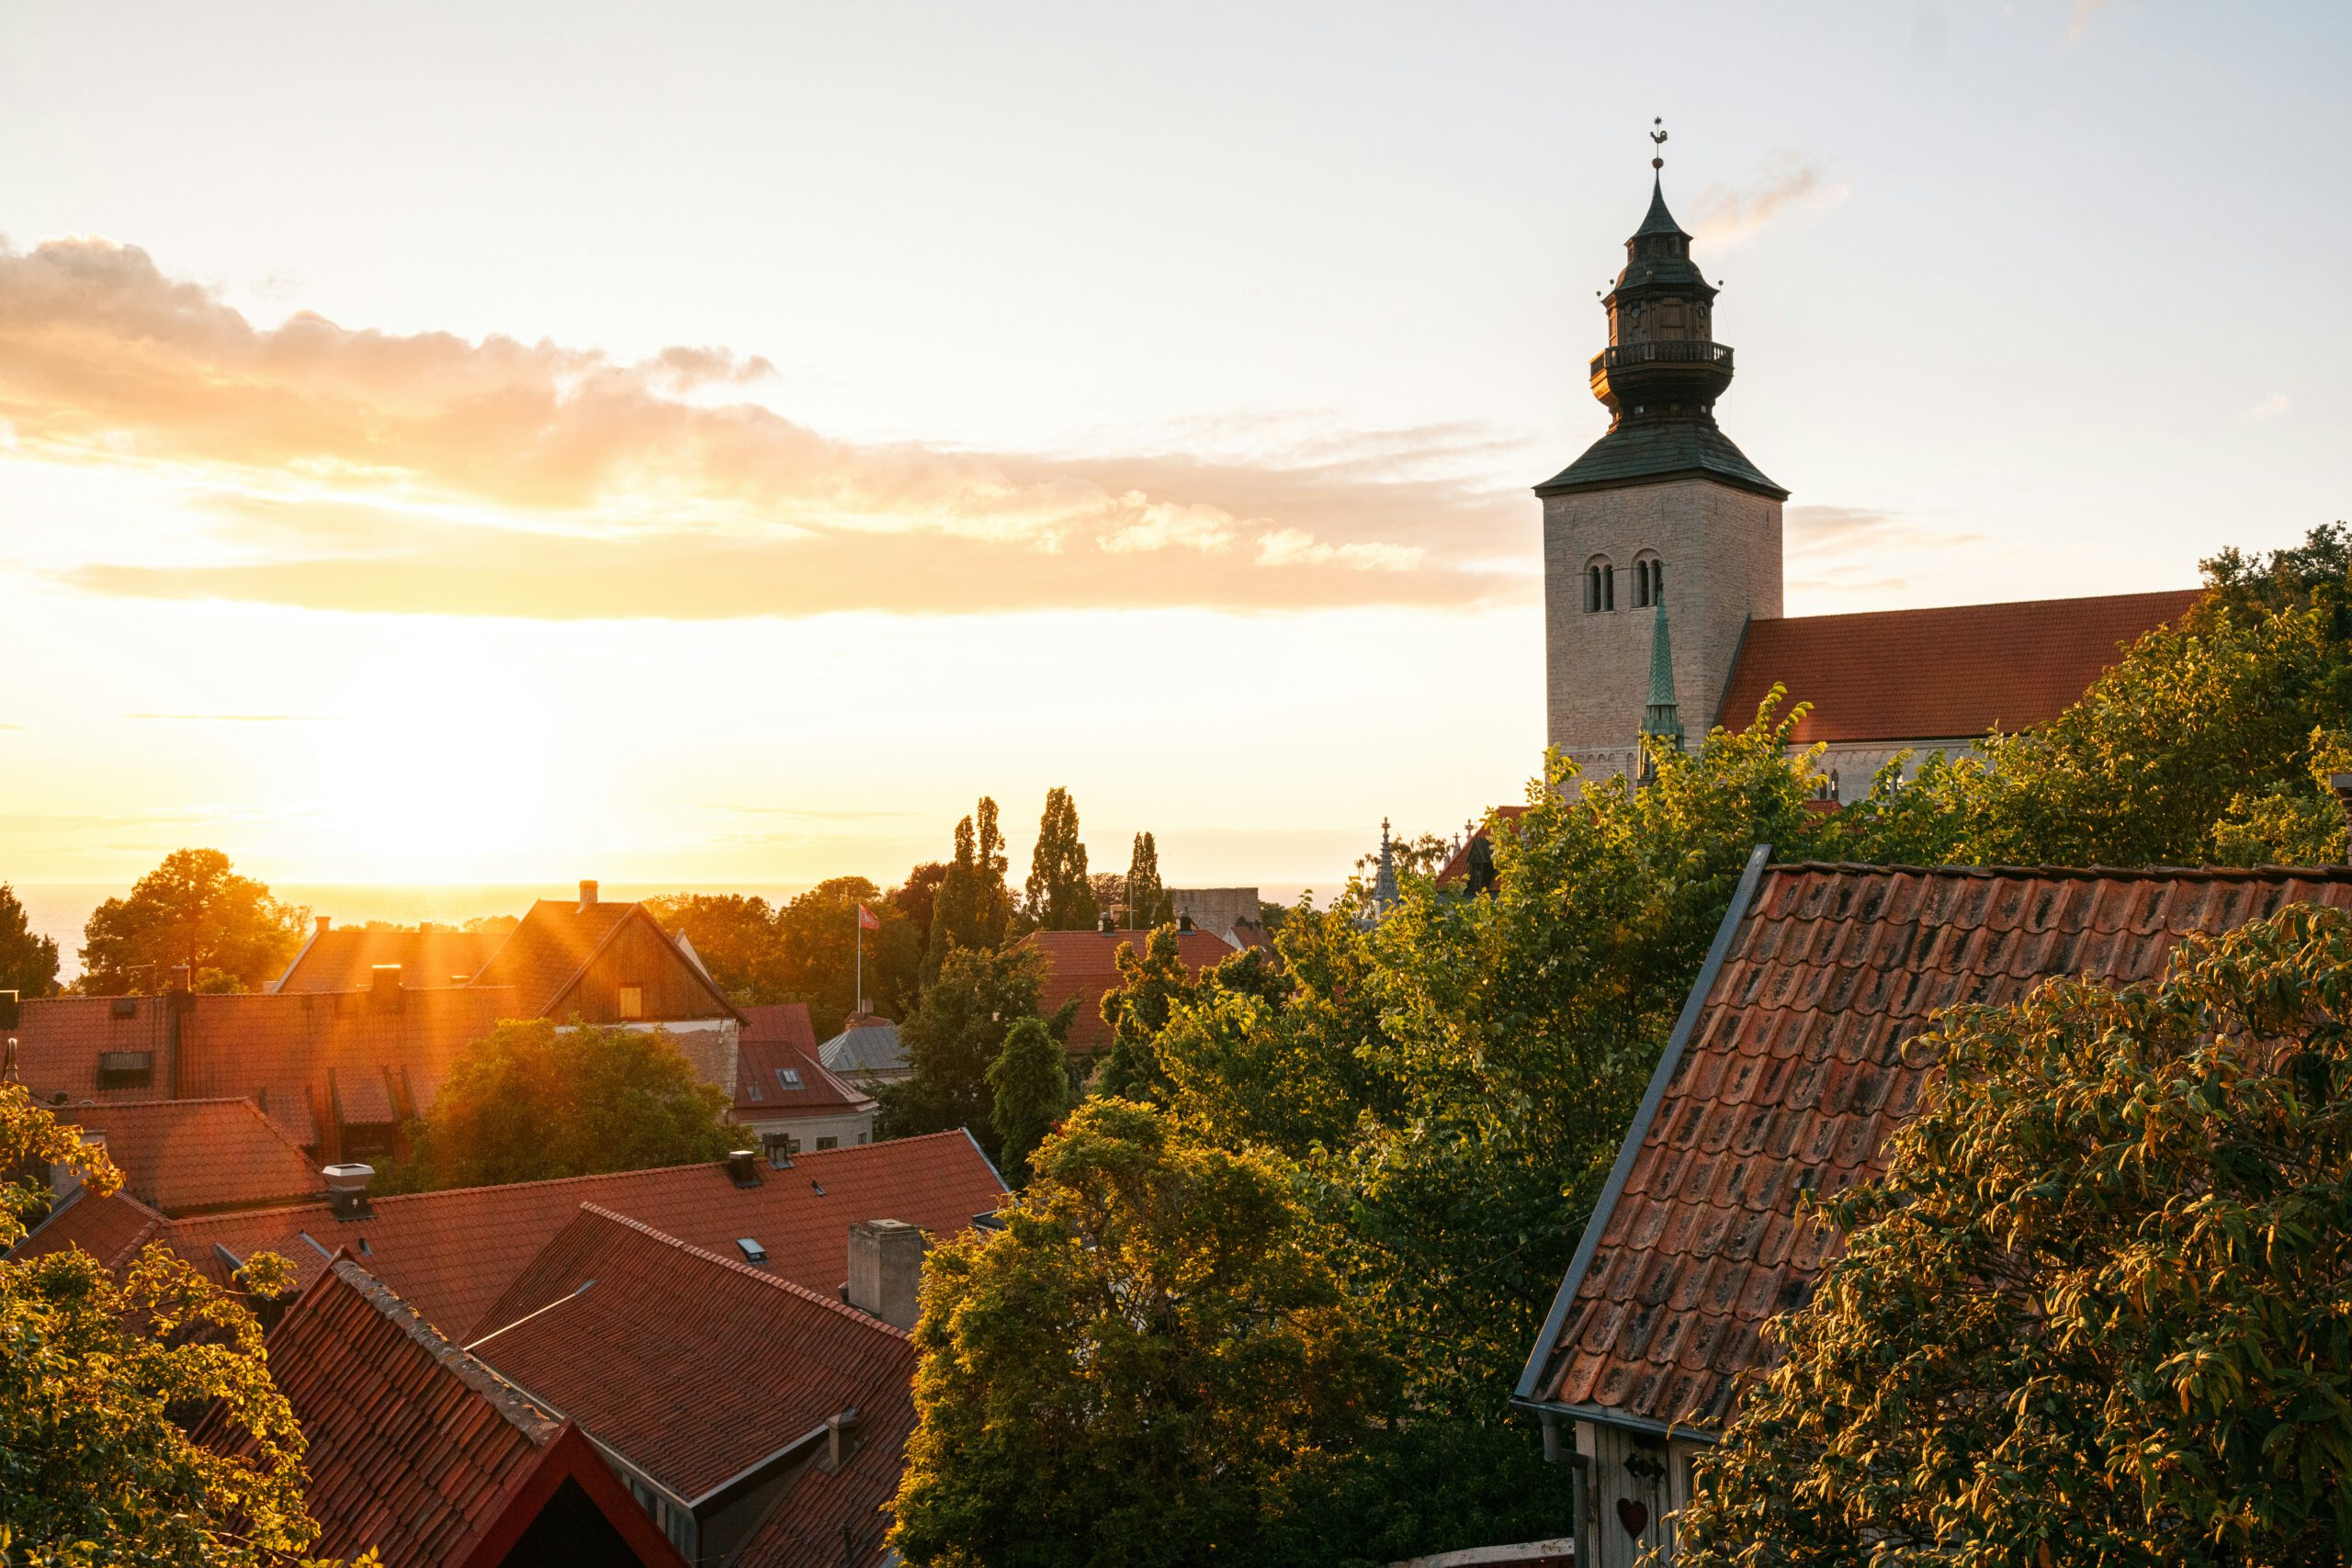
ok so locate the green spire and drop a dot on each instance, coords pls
(1662, 720)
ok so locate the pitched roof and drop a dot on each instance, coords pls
(775, 1080)
(1786, 1075)
(1654, 451)
(1457, 865)
(558, 939)
(415, 1448)
(1944, 674)
(452, 1254)
(786, 1023)
(347, 960)
(110, 1229)
(1085, 964)
(185, 1156)
(641, 1340)
(867, 1045)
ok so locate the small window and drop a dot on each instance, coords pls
(632, 1001)
(866, 1137)
(1600, 586)
(1649, 582)
(791, 1147)
(829, 1142)
(123, 1007)
(126, 1069)
(789, 1077)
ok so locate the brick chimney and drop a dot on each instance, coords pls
(587, 894)
(326, 924)
(384, 986)
(182, 977)
(886, 1270)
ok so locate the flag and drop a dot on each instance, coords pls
(865, 921)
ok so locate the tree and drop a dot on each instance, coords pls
(918, 897)
(192, 909)
(973, 908)
(1030, 1080)
(1060, 898)
(1422, 856)
(1147, 900)
(2095, 1313)
(528, 1101)
(820, 940)
(28, 960)
(1152, 982)
(1153, 1365)
(735, 936)
(955, 1034)
(95, 1464)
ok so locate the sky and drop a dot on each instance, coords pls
(713, 445)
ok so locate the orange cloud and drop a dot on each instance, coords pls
(1784, 183)
(357, 469)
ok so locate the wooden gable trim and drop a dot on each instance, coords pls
(570, 1457)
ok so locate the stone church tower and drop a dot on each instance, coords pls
(1662, 510)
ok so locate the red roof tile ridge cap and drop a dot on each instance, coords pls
(517, 1407)
(2267, 873)
(2020, 604)
(781, 1283)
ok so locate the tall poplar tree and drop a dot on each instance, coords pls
(992, 896)
(1148, 903)
(1060, 896)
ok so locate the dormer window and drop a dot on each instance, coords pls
(1600, 586)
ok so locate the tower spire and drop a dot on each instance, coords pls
(1662, 718)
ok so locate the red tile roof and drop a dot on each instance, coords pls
(1457, 865)
(642, 1340)
(415, 1448)
(1792, 1075)
(347, 960)
(452, 1254)
(111, 1230)
(1942, 674)
(764, 1092)
(1085, 964)
(786, 1023)
(58, 1040)
(186, 1155)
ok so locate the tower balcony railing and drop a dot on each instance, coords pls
(1672, 351)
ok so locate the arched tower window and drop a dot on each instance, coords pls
(1600, 585)
(1649, 581)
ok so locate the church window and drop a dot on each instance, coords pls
(1600, 586)
(1649, 581)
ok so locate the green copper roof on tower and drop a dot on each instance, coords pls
(1659, 220)
(1662, 719)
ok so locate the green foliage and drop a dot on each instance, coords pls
(1156, 1364)
(1060, 896)
(1152, 985)
(973, 907)
(735, 936)
(98, 1375)
(27, 961)
(819, 932)
(1031, 1080)
(1147, 899)
(2098, 1311)
(192, 909)
(529, 1101)
(956, 1035)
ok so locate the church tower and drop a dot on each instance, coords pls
(1663, 504)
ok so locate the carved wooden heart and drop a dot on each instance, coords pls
(1634, 1517)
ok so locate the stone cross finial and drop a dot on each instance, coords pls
(1658, 137)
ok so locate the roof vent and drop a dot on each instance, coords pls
(752, 1250)
(587, 893)
(347, 1190)
(777, 1147)
(1107, 923)
(743, 1167)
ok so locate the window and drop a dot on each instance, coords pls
(126, 1069)
(632, 1001)
(791, 1147)
(866, 1137)
(1600, 585)
(788, 1078)
(1649, 581)
(829, 1142)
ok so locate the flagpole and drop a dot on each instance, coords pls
(858, 1002)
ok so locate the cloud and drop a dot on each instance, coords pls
(1854, 549)
(2270, 407)
(1784, 183)
(2078, 21)
(230, 718)
(361, 471)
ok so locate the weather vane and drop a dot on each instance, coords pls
(1658, 136)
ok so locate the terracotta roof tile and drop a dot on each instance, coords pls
(546, 953)
(1085, 964)
(347, 960)
(186, 1155)
(452, 1254)
(111, 1229)
(1457, 865)
(775, 1080)
(1940, 674)
(1796, 1071)
(641, 1340)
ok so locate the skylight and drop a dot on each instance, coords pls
(788, 1076)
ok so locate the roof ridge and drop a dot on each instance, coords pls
(792, 1286)
(1996, 604)
(508, 1399)
(379, 1201)
(2078, 873)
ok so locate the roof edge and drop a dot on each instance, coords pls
(517, 1408)
(1742, 897)
(1600, 1416)
(2330, 873)
(1560, 484)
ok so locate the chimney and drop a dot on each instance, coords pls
(326, 924)
(1107, 923)
(182, 977)
(743, 1167)
(587, 894)
(2342, 784)
(838, 1443)
(384, 986)
(1184, 922)
(347, 1190)
(886, 1270)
